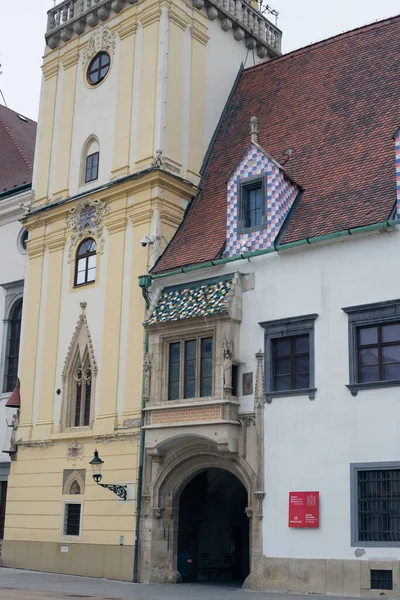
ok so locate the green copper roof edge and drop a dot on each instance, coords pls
(321, 238)
(198, 283)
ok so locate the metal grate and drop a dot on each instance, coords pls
(72, 519)
(381, 579)
(379, 505)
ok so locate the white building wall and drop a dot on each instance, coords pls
(309, 445)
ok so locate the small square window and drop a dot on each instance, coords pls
(289, 357)
(374, 345)
(381, 579)
(252, 204)
(72, 519)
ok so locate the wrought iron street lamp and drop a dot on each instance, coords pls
(96, 462)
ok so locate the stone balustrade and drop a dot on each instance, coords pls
(75, 16)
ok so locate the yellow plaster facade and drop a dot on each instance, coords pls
(154, 97)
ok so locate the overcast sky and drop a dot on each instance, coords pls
(303, 22)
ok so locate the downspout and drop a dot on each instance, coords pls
(144, 284)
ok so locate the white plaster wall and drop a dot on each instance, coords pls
(12, 268)
(309, 445)
(224, 56)
(95, 114)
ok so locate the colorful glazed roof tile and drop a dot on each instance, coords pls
(187, 301)
(335, 105)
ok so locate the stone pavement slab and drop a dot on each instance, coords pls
(17, 584)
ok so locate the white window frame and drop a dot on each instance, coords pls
(71, 500)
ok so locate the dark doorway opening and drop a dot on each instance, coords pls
(213, 537)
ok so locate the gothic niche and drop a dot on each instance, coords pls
(78, 377)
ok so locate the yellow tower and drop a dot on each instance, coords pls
(132, 92)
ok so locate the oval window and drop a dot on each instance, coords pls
(98, 68)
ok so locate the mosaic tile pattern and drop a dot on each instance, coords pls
(196, 301)
(397, 150)
(280, 197)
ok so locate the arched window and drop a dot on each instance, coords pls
(90, 160)
(85, 268)
(81, 396)
(12, 347)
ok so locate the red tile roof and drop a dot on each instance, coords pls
(17, 148)
(336, 105)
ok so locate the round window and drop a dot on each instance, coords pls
(22, 240)
(98, 68)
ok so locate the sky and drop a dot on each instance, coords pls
(23, 23)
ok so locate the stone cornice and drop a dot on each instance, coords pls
(11, 209)
(127, 28)
(34, 444)
(150, 15)
(35, 247)
(199, 32)
(55, 241)
(70, 58)
(50, 68)
(106, 438)
(116, 221)
(178, 16)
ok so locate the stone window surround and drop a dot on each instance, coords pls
(354, 469)
(376, 313)
(243, 184)
(288, 327)
(14, 293)
(63, 536)
(200, 332)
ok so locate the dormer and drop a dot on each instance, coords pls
(259, 197)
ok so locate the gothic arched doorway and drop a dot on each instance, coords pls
(213, 530)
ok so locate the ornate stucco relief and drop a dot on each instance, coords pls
(101, 40)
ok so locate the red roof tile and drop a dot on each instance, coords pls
(17, 148)
(336, 105)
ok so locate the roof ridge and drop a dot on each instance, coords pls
(328, 40)
(24, 158)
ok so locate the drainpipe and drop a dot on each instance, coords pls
(144, 284)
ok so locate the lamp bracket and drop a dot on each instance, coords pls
(119, 490)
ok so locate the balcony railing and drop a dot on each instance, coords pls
(75, 16)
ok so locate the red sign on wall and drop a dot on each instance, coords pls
(303, 509)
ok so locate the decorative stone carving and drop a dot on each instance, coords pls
(245, 421)
(158, 512)
(158, 160)
(75, 451)
(128, 423)
(147, 363)
(107, 438)
(101, 40)
(82, 323)
(230, 412)
(85, 219)
(249, 512)
(227, 348)
(34, 444)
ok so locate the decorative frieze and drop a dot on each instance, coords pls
(34, 444)
(75, 451)
(108, 438)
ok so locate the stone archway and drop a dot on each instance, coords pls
(168, 472)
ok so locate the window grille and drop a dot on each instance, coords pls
(378, 505)
(72, 519)
(12, 356)
(381, 579)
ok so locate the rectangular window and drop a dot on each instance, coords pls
(252, 203)
(379, 353)
(92, 167)
(374, 345)
(72, 519)
(174, 371)
(291, 363)
(190, 368)
(375, 492)
(381, 579)
(289, 357)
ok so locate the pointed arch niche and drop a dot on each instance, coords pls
(79, 378)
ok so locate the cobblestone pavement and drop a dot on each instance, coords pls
(31, 585)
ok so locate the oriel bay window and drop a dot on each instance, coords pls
(190, 368)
